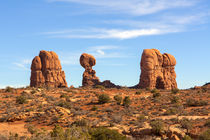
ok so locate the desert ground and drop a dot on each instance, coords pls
(135, 113)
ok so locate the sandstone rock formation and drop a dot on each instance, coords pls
(87, 61)
(157, 70)
(46, 71)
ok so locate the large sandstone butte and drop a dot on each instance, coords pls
(46, 71)
(157, 70)
(87, 61)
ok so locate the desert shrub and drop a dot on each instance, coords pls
(174, 99)
(138, 92)
(156, 94)
(204, 89)
(58, 132)
(127, 101)
(33, 91)
(205, 135)
(116, 118)
(154, 90)
(175, 91)
(186, 124)
(94, 108)
(171, 111)
(77, 133)
(64, 96)
(186, 137)
(64, 104)
(99, 86)
(157, 127)
(106, 134)
(21, 99)
(207, 123)
(81, 122)
(193, 103)
(103, 98)
(148, 89)
(118, 99)
(141, 118)
(31, 129)
(9, 89)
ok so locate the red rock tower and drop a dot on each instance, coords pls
(87, 61)
(46, 71)
(157, 70)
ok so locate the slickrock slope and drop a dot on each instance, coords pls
(157, 70)
(87, 61)
(46, 71)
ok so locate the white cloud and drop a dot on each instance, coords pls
(134, 7)
(23, 65)
(109, 33)
(99, 52)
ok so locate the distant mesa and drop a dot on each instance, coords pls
(46, 71)
(90, 79)
(157, 70)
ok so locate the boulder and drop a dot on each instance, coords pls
(46, 71)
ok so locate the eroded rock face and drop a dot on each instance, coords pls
(157, 70)
(46, 71)
(87, 61)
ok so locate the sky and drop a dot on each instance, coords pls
(115, 31)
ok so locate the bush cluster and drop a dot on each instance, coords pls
(118, 99)
(103, 98)
(194, 103)
(21, 99)
(127, 101)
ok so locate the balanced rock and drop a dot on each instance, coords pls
(157, 70)
(87, 61)
(46, 71)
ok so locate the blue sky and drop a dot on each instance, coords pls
(114, 31)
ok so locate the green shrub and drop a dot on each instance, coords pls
(77, 133)
(64, 96)
(154, 90)
(64, 104)
(186, 124)
(21, 99)
(58, 132)
(94, 108)
(156, 94)
(31, 129)
(9, 89)
(171, 111)
(118, 99)
(175, 91)
(207, 123)
(106, 134)
(205, 135)
(186, 137)
(81, 122)
(157, 127)
(194, 103)
(127, 101)
(99, 86)
(103, 98)
(174, 99)
(138, 92)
